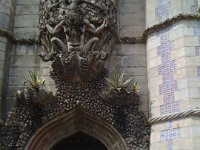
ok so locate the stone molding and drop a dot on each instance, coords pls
(184, 114)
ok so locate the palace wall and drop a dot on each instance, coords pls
(166, 64)
(173, 73)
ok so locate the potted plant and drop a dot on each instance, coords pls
(35, 81)
(117, 82)
(119, 90)
(135, 89)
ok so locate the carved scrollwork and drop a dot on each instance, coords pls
(77, 35)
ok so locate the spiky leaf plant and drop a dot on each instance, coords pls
(35, 81)
(117, 82)
(135, 87)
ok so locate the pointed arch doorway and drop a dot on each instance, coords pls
(74, 123)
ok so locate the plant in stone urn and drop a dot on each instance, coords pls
(118, 92)
(35, 81)
(135, 87)
(117, 82)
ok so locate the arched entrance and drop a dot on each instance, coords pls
(79, 141)
(73, 122)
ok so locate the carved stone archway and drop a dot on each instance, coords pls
(72, 122)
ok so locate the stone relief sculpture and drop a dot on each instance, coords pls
(77, 35)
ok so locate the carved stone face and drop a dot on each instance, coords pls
(73, 19)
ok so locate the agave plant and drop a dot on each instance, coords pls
(35, 81)
(117, 82)
(135, 87)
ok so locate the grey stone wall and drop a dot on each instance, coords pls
(25, 57)
(26, 19)
(7, 8)
(130, 59)
(131, 17)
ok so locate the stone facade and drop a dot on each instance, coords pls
(167, 65)
(172, 58)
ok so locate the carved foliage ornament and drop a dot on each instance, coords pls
(77, 35)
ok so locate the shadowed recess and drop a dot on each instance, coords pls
(79, 141)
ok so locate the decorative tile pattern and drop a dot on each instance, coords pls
(197, 33)
(194, 7)
(197, 50)
(198, 70)
(170, 134)
(163, 8)
(166, 69)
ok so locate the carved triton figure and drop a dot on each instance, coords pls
(75, 28)
(72, 36)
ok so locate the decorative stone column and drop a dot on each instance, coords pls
(173, 56)
(7, 8)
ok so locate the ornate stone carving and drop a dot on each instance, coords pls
(77, 35)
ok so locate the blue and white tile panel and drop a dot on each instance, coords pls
(163, 9)
(170, 135)
(166, 70)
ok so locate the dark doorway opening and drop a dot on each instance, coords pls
(79, 141)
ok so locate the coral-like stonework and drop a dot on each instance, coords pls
(30, 113)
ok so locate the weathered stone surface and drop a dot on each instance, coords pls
(22, 50)
(28, 2)
(32, 9)
(26, 22)
(130, 19)
(26, 33)
(131, 31)
(134, 60)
